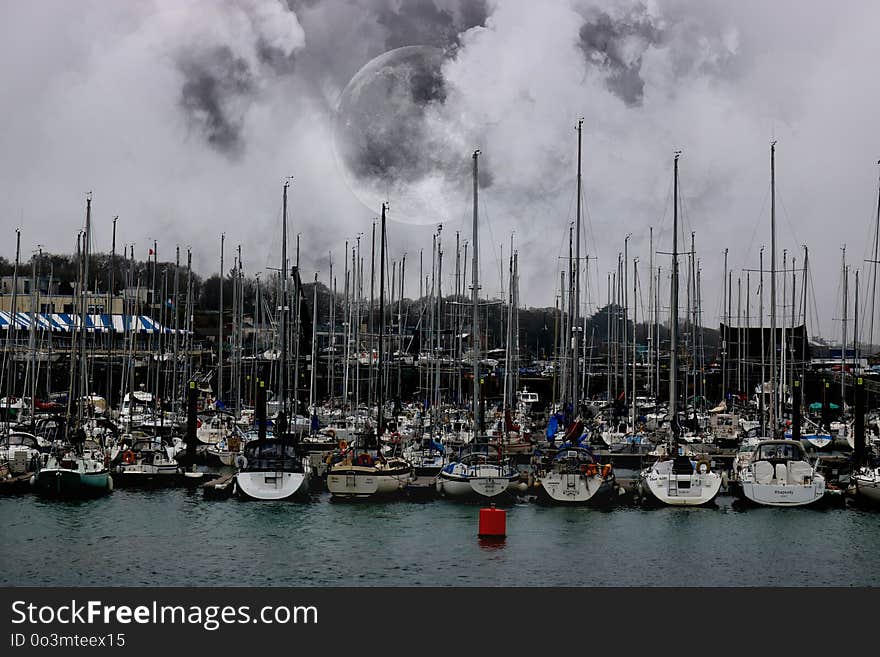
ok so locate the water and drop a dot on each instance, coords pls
(173, 537)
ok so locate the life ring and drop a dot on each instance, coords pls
(332, 433)
(606, 470)
(707, 466)
(241, 461)
(343, 445)
(592, 470)
(128, 457)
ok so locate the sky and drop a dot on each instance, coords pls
(185, 118)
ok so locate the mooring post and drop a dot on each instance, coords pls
(191, 398)
(859, 425)
(261, 410)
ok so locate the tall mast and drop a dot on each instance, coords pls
(576, 304)
(475, 292)
(673, 324)
(282, 386)
(773, 289)
(220, 341)
(380, 396)
(85, 308)
(874, 267)
(313, 388)
(635, 319)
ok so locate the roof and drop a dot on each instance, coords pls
(68, 322)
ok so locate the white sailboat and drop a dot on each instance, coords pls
(573, 476)
(274, 468)
(78, 468)
(779, 474)
(480, 471)
(363, 471)
(677, 481)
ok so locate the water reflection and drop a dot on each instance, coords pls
(491, 543)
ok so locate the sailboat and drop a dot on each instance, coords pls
(677, 481)
(362, 470)
(779, 474)
(480, 470)
(273, 468)
(78, 468)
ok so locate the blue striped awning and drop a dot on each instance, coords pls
(66, 323)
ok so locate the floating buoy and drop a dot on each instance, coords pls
(493, 522)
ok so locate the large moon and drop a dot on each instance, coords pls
(393, 141)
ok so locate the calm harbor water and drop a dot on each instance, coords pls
(173, 537)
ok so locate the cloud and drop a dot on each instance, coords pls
(184, 118)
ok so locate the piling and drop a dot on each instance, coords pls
(261, 410)
(796, 411)
(859, 424)
(191, 419)
(826, 419)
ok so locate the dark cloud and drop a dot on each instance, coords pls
(275, 58)
(215, 83)
(429, 22)
(616, 44)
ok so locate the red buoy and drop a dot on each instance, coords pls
(493, 522)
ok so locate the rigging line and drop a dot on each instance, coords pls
(779, 195)
(759, 219)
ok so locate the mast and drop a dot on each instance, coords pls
(109, 310)
(220, 341)
(761, 399)
(282, 385)
(874, 267)
(380, 392)
(650, 328)
(673, 324)
(773, 289)
(635, 319)
(313, 388)
(13, 328)
(576, 305)
(475, 291)
(845, 273)
(84, 308)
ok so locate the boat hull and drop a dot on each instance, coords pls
(64, 482)
(358, 482)
(782, 494)
(271, 485)
(569, 488)
(486, 486)
(867, 488)
(680, 489)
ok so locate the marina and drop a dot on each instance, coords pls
(375, 324)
